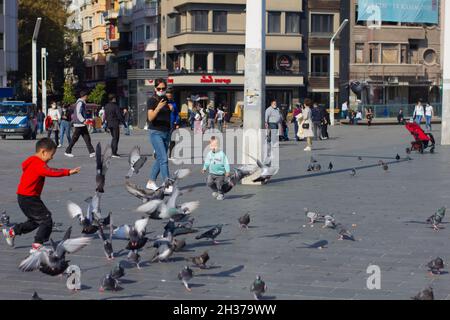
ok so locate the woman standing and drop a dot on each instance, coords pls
(418, 112)
(197, 119)
(429, 113)
(306, 124)
(369, 116)
(295, 113)
(159, 111)
(65, 126)
(55, 116)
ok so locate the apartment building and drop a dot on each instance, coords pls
(397, 63)
(93, 38)
(111, 46)
(324, 18)
(9, 42)
(203, 47)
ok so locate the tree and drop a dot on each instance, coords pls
(69, 95)
(98, 95)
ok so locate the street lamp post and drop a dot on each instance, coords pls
(333, 39)
(34, 58)
(44, 79)
(445, 134)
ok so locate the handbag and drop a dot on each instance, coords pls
(305, 126)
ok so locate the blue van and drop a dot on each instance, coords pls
(18, 118)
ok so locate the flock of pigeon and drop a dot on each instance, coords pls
(158, 205)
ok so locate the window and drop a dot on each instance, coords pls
(139, 34)
(150, 31)
(88, 23)
(292, 22)
(101, 19)
(219, 21)
(200, 62)
(147, 64)
(88, 47)
(404, 54)
(2, 11)
(2, 42)
(199, 20)
(274, 22)
(390, 53)
(271, 62)
(359, 53)
(320, 64)
(173, 24)
(101, 43)
(225, 62)
(374, 53)
(322, 23)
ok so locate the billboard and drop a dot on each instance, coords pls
(411, 11)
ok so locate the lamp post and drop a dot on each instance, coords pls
(34, 58)
(333, 39)
(445, 43)
(44, 55)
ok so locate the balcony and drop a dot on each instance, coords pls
(144, 9)
(111, 15)
(125, 15)
(321, 80)
(188, 36)
(368, 70)
(146, 45)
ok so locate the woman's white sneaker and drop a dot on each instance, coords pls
(307, 149)
(151, 186)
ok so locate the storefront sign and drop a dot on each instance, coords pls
(211, 79)
(284, 62)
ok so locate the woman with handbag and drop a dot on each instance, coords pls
(306, 124)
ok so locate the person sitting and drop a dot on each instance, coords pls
(400, 117)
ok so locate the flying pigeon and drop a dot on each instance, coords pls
(157, 209)
(312, 216)
(93, 208)
(52, 261)
(236, 177)
(330, 166)
(211, 234)
(267, 171)
(353, 172)
(435, 265)
(185, 276)
(437, 218)
(244, 221)
(136, 161)
(103, 162)
(397, 157)
(258, 288)
(107, 242)
(36, 296)
(201, 260)
(426, 294)
(144, 194)
(134, 234)
(344, 234)
(330, 222)
(87, 222)
(177, 229)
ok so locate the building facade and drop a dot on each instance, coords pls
(396, 63)
(203, 48)
(9, 41)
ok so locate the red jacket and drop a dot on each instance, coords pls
(33, 178)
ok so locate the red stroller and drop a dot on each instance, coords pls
(422, 140)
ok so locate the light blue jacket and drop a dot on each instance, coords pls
(217, 163)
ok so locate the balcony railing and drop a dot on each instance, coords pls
(209, 31)
(230, 72)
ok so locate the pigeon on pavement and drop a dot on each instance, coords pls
(330, 166)
(258, 288)
(185, 276)
(437, 218)
(36, 296)
(211, 234)
(244, 221)
(201, 260)
(426, 294)
(312, 216)
(344, 234)
(435, 265)
(330, 222)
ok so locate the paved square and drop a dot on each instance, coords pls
(383, 207)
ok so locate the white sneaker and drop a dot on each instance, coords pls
(215, 194)
(307, 149)
(151, 186)
(92, 155)
(68, 155)
(115, 156)
(168, 190)
(59, 145)
(9, 236)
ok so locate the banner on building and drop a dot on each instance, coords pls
(410, 11)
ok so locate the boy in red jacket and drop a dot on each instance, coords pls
(35, 170)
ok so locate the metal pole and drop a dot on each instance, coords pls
(445, 134)
(333, 39)
(34, 86)
(44, 79)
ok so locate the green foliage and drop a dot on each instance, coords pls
(98, 95)
(69, 95)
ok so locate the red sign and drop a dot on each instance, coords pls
(112, 32)
(211, 79)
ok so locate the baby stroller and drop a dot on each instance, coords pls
(422, 140)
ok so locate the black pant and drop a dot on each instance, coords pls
(81, 131)
(38, 217)
(115, 134)
(325, 131)
(56, 135)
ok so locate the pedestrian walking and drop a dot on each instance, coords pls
(211, 116)
(35, 170)
(40, 120)
(127, 120)
(204, 114)
(113, 119)
(306, 131)
(418, 112)
(369, 116)
(159, 111)
(80, 128)
(272, 119)
(197, 120)
(297, 110)
(220, 114)
(65, 126)
(325, 121)
(316, 117)
(344, 110)
(55, 117)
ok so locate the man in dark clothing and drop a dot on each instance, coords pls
(316, 117)
(40, 121)
(114, 118)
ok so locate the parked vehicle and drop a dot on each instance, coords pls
(18, 118)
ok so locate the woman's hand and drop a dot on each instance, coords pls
(161, 105)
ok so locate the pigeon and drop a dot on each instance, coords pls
(258, 287)
(163, 251)
(330, 166)
(178, 245)
(177, 229)
(384, 165)
(93, 208)
(109, 283)
(134, 257)
(244, 221)
(317, 245)
(107, 242)
(435, 265)
(185, 276)
(36, 296)
(312, 216)
(344, 234)
(437, 218)
(330, 222)
(201, 260)
(237, 176)
(211, 234)
(134, 234)
(397, 157)
(87, 222)
(178, 175)
(52, 261)
(426, 294)
(310, 167)
(353, 172)
(144, 194)
(136, 161)
(103, 162)
(157, 209)
(267, 171)
(117, 271)
(4, 219)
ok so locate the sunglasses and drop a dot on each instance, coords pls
(160, 89)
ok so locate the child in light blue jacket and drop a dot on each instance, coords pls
(217, 164)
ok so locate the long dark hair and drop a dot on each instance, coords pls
(159, 81)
